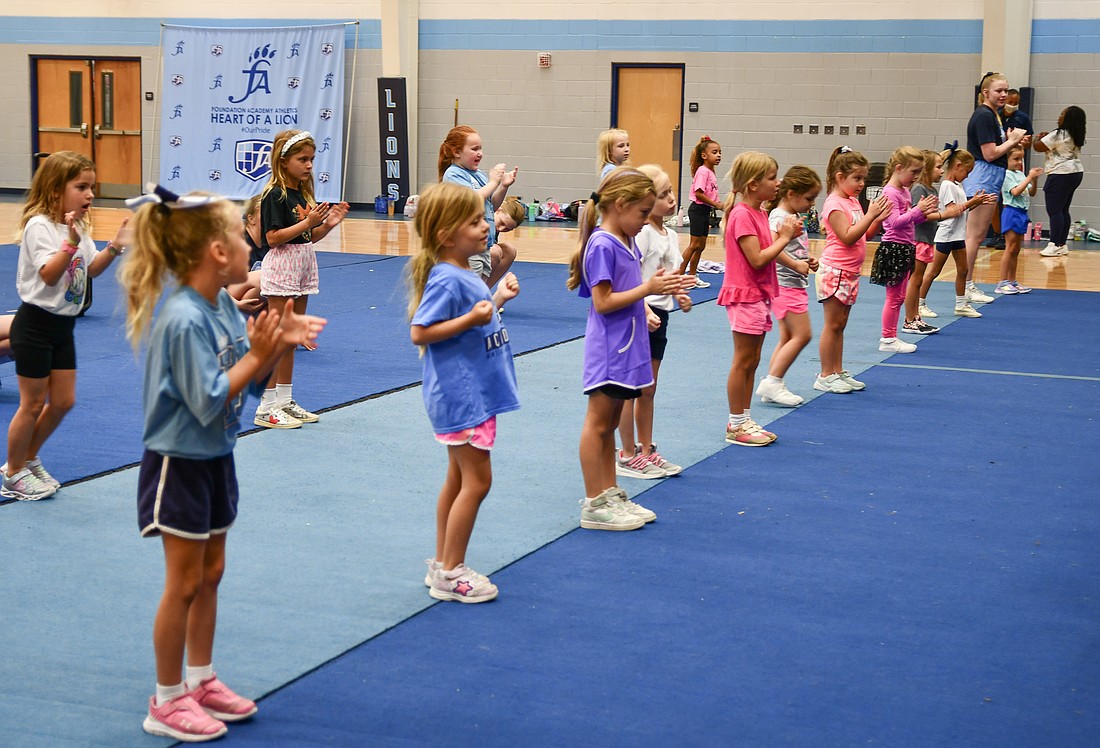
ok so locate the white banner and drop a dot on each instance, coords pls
(228, 91)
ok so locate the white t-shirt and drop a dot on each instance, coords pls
(41, 239)
(951, 229)
(659, 251)
(1064, 157)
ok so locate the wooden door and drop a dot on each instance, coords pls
(93, 107)
(649, 104)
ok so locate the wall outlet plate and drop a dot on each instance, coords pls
(829, 129)
(798, 129)
(813, 129)
(861, 129)
(844, 129)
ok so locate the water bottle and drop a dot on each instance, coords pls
(1038, 235)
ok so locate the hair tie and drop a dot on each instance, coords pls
(845, 149)
(705, 138)
(166, 200)
(951, 147)
(303, 135)
(595, 197)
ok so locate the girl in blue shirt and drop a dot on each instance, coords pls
(202, 357)
(468, 373)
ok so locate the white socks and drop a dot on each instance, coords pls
(267, 401)
(282, 395)
(167, 693)
(196, 675)
(736, 419)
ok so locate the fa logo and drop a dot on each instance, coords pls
(326, 114)
(215, 175)
(323, 177)
(328, 81)
(175, 174)
(177, 111)
(257, 74)
(175, 141)
(216, 50)
(294, 49)
(293, 83)
(177, 79)
(325, 145)
(252, 159)
(179, 49)
(326, 48)
(217, 146)
(217, 83)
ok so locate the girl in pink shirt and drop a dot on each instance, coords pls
(750, 284)
(705, 157)
(846, 228)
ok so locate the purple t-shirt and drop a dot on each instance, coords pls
(616, 345)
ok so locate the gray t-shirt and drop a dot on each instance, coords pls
(926, 230)
(798, 248)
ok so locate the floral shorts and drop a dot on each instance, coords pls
(482, 436)
(843, 285)
(289, 270)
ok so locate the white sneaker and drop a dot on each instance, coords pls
(848, 379)
(975, 295)
(461, 584)
(1063, 250)
(276, 418)
(700, 283)
(777, 392)
(639, 511)
(893, 345)
(967, 311)
(24, 486)
(606, 513)
(832, 383)
(40, 472)
(925, 313)
(637, 466)
(1050, 250)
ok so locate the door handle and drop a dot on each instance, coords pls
(98, 135)
(677, 142)
(84, 129)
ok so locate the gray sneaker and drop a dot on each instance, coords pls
(23, 486)
(294, 410)
(606, 513)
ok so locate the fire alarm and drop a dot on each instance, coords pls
(544, 59)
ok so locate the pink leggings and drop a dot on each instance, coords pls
(891, 308)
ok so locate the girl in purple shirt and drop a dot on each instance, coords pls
(607, 268)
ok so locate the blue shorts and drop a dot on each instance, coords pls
(1014, 219)
(949, 247)
(191, 499)
(986, 177)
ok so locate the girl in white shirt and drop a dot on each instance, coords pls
(1064, 173)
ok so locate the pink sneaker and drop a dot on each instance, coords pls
(181, 718)
(220, 702)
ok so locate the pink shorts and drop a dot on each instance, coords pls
(750, 317)
(790, 301)
(289, 270)
(836, 283)
(483, 436)
(925, 252)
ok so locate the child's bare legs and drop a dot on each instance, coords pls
(5, 334)
(626, 429)
(639, 413)
(831, 342)
(977, 223)
(469, 477)
(961, 271)
(746, 357)
(692, 255)
(794, 334)
(283, 373)
(187, 615)
(938, 261)
(597, 447)
(1011, 255)
(913, 293)
(43, 404)
(503, 254)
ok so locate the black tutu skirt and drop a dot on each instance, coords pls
(893, 261)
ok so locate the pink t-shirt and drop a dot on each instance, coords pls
(837, 254)
(743, 282)
(704, 181)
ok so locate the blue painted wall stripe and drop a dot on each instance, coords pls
(1065, 36)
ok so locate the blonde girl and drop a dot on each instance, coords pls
(247, 294)
(846, 231)
(895, 255)
(951, 230)
(202, 358)
(460, 154)
(924, 245)
(606, 268)
(56, 258)
(750, 284)
(612, 150)
(705, 157)
(660, 249)
(797, 193)
(291, 221)
(468, 373)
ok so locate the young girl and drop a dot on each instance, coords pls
(247, 294)
(202, 357)
(797, 193)
(951, 231)
(1016, 194)
(1064, 172)
(468, 373)
(894, 257)
(705, 157)
(291, 221)
(924, 235)
(612, 150)
(459, 156)
(660, 248)
(56, 258)
(617, 365)
(846, 228)
(750, 284)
